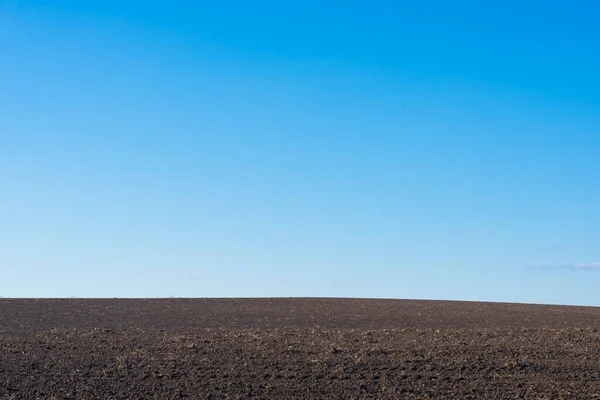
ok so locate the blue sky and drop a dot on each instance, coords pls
(438, 150)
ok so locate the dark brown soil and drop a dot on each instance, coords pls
(296, 348)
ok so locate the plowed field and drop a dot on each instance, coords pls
(296, 349)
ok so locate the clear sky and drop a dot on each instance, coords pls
(396, 149)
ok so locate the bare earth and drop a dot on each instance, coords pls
(296, 349)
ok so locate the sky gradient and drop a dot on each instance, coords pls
(396, 149)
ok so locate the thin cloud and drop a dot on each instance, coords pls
(575, 267)
(586, 266)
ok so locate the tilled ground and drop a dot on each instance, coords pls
(296, 348)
